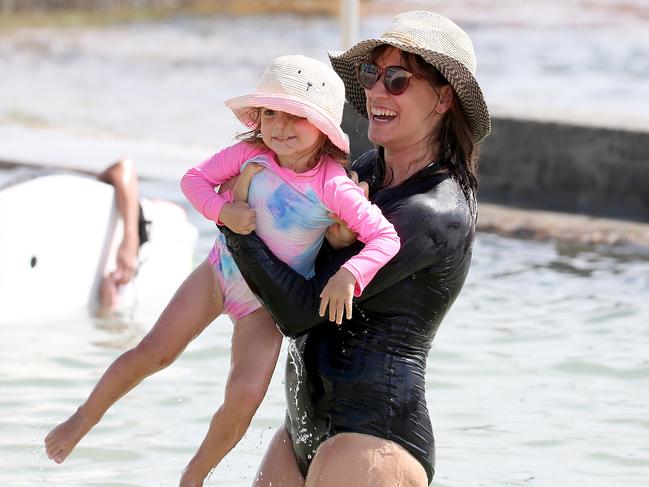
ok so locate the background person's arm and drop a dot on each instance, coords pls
(123, 177)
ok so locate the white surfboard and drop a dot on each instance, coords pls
(58, 237)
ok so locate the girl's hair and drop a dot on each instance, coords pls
(458, 152)
(324, 148)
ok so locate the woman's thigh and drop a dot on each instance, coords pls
(279, 467)
(364, 461)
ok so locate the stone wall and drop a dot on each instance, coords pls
(556, 167)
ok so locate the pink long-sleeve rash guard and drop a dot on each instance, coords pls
(292, 208)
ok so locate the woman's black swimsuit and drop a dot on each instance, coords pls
(368, 375)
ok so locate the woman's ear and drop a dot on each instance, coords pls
(446, 99)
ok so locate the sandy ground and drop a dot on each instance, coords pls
(565, 228)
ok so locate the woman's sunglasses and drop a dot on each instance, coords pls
(395, 78)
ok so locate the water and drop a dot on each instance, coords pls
(539, 375)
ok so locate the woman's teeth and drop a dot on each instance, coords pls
(383, 113)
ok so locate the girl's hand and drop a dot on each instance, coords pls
(240, 190)
(338, 234)
(338, 295)
(238, 217)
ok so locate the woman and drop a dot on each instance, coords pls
(356, 393)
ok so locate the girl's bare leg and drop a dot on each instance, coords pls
(195, 305)
(256, 342)
(364, 461)
(279, 468)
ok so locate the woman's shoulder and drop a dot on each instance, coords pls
(443, 208)
(365, 164)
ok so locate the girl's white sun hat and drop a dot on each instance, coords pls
(303, 87)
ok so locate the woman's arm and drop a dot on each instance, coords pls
(293, 301)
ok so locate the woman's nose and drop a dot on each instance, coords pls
(379, 89)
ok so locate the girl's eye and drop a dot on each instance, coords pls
(268, 112)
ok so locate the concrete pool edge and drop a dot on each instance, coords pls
(566, 228)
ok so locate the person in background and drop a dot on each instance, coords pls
(291, 168)
(123, 177)
(356, 392)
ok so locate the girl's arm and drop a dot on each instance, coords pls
(348, 202)
(199, 182)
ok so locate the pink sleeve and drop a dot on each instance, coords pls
(199, 182)
(347, 201)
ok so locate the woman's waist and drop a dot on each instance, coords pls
(361, 356)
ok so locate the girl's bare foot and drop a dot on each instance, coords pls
(62, 439)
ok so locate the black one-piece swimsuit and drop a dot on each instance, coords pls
(368, 375)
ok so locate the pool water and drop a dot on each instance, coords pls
(539, 375)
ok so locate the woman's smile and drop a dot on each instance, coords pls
(382, 115)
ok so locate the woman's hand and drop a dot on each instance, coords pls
(238, 217)
(338, 234)
(241, 187)
(338, 295)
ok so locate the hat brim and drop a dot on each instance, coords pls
(244, 107)
(460, 78)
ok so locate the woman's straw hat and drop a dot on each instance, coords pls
(300, 86)
(441, 43)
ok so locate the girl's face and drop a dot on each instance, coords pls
(404, 120)
(293, 139)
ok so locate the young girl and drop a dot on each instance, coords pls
(295, 151)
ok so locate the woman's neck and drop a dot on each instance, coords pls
(404, 162)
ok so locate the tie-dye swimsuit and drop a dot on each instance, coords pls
(292, 217)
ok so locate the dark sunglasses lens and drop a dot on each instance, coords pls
(396, 80)
(368, 75)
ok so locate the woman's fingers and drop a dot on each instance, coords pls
(365, 187)
(335, 218)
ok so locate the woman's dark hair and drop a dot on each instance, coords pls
(459, 153)
(325, 147)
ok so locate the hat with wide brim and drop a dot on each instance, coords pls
(439, 42)
(303, 87)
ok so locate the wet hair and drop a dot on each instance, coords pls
(458, 151)
(325, 146)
